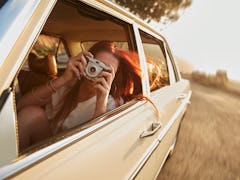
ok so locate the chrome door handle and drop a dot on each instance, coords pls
(182, 96)
(152, 130)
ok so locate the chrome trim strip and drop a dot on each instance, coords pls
(164, 159)
(146, 156)
(160, 137)
(25, 161)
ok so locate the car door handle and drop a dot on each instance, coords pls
(151, 130)
(182, 96)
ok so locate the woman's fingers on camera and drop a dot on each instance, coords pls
(112, 71)
(109, 76)
(80, 67)
(100, 90)
(76, 71)
(80, 61)
(81, 57)
(103, 83)
(74, 67)
(86, 53)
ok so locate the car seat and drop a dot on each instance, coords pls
(40, 70)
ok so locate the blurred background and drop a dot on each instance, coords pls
(204, 37)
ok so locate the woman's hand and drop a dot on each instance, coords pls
(102, 86)
(76, 66)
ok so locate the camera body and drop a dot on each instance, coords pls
(94, 68)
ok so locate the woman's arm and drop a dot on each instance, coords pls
(42, 94)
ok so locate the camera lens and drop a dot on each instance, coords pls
(92, 69)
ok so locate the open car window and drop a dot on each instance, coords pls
(156, 61)
(64, 35)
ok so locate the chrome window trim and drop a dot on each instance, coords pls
(157, 38)
(143, 62)
(162, 134)
(152, 33)
(175, 67)
(25, 161)
(173, 76)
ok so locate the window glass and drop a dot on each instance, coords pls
(62, 56)
(156, 62)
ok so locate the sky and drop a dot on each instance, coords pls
(207, 35)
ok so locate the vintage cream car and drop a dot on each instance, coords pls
(131, 141)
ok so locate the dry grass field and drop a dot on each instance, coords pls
(234, 87)
(208, 146)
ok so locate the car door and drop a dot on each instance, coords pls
(179, 94)
(167, 90)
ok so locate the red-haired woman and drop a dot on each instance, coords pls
(66, 102)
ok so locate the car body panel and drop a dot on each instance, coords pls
(120, 142)
(109, 149)
(9, 151)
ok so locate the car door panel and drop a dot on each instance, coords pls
(147, 171)
(115, 151)
(176, 109)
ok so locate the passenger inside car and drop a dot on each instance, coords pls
(93, 83)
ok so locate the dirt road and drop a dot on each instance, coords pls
(208, 146)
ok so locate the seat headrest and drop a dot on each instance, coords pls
(46, 65)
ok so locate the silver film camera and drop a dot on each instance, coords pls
(94, 68)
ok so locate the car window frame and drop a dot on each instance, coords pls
(158, 37)
(173, 62)
(176, 69)
(171, 70)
